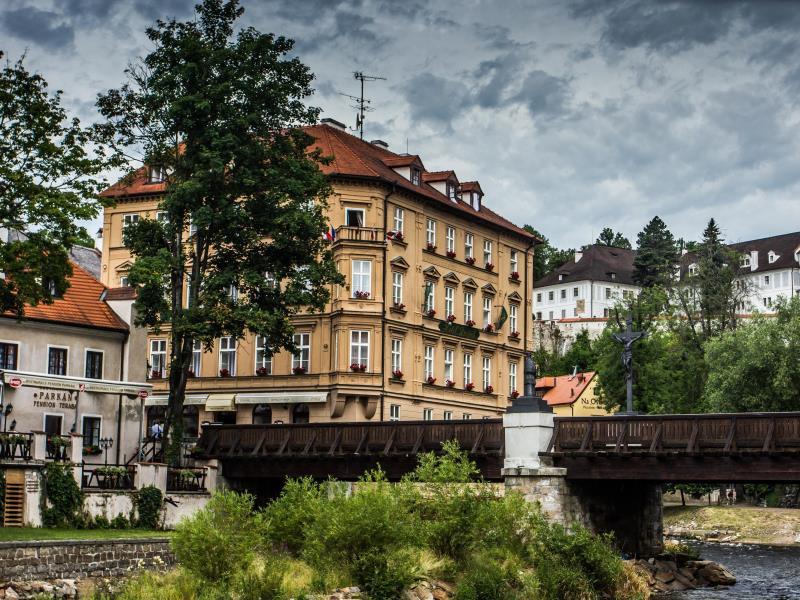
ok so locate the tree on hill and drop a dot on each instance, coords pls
(547, 257)
(656, 255)
(608, 237)
(50, 174)
(216, 114)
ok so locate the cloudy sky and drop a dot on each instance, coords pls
(574, 115)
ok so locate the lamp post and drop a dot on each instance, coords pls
(105, 444)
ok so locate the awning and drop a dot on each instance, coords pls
(220, 402)
(189, 400)
(282, 398)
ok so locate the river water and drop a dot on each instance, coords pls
(762, 572)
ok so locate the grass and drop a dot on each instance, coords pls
(751, 523)
(35, 534)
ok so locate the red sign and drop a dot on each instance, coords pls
(15, 382)
(143, 394)
(82, 387)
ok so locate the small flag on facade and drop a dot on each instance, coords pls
(330, 235)
(501, 320)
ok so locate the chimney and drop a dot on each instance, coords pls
(753, 260)
(334, 123)
(684, 252)
(380, 144)
(578, 255)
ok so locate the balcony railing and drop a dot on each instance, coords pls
(186, 480)
(108, 477)
(57, 448)
(15, 446)
(360, 234)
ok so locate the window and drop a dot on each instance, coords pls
(270, 281)
(608, 293)
(162, 216)
(227, 355)
(428, 364)
(301, 360)
(192, 227)
(8, 355)
(561, 277)
(487, 251)
(539, 297)
(563, 294)
(466, 416)
(53, 424)
(467, 306)
(512, 377)
(452, 190)
(359, 348)
(563, 313)
(57, 361)
(539, 316)
(606, 313)
(233, 293)
(448, 365)
(430, 232)
(197, 357)
(158, 358)
(300, 413)
(772, 257)
(399, 218)
(362, 278)
(550, 315)
(692, 269)
(514, 262)
(129, 219)
(767, 302)
(156, 174)
(512, 317)
(354, 217)
(189, 302)
(415, 174)
(469, 243)
(262, 414)
(487, 310)
(575, 292)
(91, 431)
(766, 279)
(124, 281)
(447, 415)
(487, 372)
(430, 296)
(746, 261)
(397, 288)
(451, 239)
(394, 412)
(397, 355)
(449, 301)
(467, 368)
(551, 295)
(94, 364)
(263, 355)
(427, 414)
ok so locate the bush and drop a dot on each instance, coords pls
(486, 579)
(63, 496)
(100, 522)
(383, 576)
(220, 539)
(291, 515)
(259, 581)
(149, 501)
(120, 522)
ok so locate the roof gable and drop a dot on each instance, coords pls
(431, 273)
(452, 278)
(469, 282)
(398, 262)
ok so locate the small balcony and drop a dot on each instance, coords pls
(369, 235)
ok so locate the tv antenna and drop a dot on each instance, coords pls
(362, 104)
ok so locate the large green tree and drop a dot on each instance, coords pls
(656, 255)
(50, 173)
(609, 237)
(547, 257)
(217, 112)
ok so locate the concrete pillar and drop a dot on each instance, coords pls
(212, 471)
(527, 434)
(39, 447)
(154, 474)
(33, 497)
(76, 448)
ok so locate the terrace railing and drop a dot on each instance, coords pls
(15, 446)
(108, 477)
(186, 480)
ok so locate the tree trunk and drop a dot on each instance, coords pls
(683, 499)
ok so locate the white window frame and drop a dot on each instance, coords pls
(468, 300)
(359, 348)
(303, 358)
(449, 362)
(18, 344)
(512, 376)
(124, 281)
(363, 218)
(449, 301)
(430, 232)
(466, 416)
(447, 415)
(92, 416)
(428, 363)
(486, 371)
(394, 412)
(397, 355)
(399, 219)
(513, 317)
(487, 310)
(262, 358)
(487, 251)
(52, 414)
(197, 357)
(361, 281)
(233, 293)
(66, 360)
(514, 261)
(162, 216)
(130, 219)
(397, 287)
(430, 304)
(158, 352)
(467, 368)
(451, 238)
(427, 414)
(86, 361)
(469, 245)
(230, 352)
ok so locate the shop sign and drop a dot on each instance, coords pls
(143, 394)
(54, 399)
(459, 330)
(15, 382)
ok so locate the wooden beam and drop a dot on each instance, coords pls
(337, 441)
(769, 439)
(690, 447)
(730, 441)
(655, 445)
(418, 443)
(621, 437)
(389, 443)
(285, 442)
(478, 442)
(587, 437)
(310, 443)
(259, 444)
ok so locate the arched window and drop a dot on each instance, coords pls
(300, 413)
(262, 414)
(155, 414)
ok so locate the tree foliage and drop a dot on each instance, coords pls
(656, 255)
(608, 237)
(580, 355)
(547, 257)
(50, 174)
(218, 113)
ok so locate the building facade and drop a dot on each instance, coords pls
(771, 269)
(572, 395)
(432, 322)
(74, 366)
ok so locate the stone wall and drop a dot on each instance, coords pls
(71, 559)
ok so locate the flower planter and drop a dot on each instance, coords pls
(358, 295)
(397, 374)
(430, 247)
(469, 387)
(299, 370)
(358, 368)
(451, 254)
(489, 267)
(451, 318)
(450, 383)
(430, 314)
(489, 328)
(262, 371)
(489, 389)
(515, 275)
(399, 306)
(514, 335)
(470, 323)
(470, 260)
(430, 380)
(514, 394)
(224, 373)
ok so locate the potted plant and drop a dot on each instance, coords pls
(489, 389)
(430, 247)
(398, 236)
(489, 266)
(224, 373)
(514, 335)
(515, 275)
(489, 328)
(431, 313)
(514, 394)
(451, 318)
(360, 295)
(155, 374)
(450, 383)
(469, 387)
(397, 374)
(91, 450)
(262, 371)
(188, 480)
(190, 373)
(451, 254)
(399, 306)
(298, 370)
(430, 380)
(470, 323)
(470, 260)
(355, 367)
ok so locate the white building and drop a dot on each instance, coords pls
(771, 267)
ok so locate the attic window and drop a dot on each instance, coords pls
(613, 276)
(415, 173)
(746, 260)
(155, 175)
(561, 277)
(692, 269)
(772, 257)
(451, 191)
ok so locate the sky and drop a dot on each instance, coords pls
(574, 115)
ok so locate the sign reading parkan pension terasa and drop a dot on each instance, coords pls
(55, 399)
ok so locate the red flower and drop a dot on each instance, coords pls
(398, 236)
(489, 328)
(490, 266)
(298, 370)
(515, 275)
(470, 323)
(359, 295)
(430, 247)
(451, 253)
(489, 389)
(470, 386)
(397, 374)
(224, 373)
(399, 305)
(262, 371)
(515, 394)
(514, 335)
(431, 380)
(451, 318)
(450, 383)
(470, 260)
(431, 313)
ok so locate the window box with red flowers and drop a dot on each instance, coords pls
(359, 295)
(431, 380)
(224, 373)
(262, 371)
(451, 318)
(190, 373)
(489, 389)
(397, 374)
(299, 370)
(514, 394)
(470, 323)
(358, 368)
(514, 335)
(156, 375)
(470, 260)
(489, 267)
(451, 254)
(489, 328)
(395, 236)
(399, 306)
(430, 313)
(515, 275)
(450, 383)
(430, 247)
(469, 387)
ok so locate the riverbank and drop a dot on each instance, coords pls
(734, 524)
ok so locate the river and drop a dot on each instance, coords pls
(762, 572)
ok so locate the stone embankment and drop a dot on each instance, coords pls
(60, 589)
(680, 572)
(424, 590)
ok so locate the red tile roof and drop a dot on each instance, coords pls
(403, 160)
(564, 389)
(121, 293)
(439, 176)
(471, 186)
(136, 184)
(81, 306)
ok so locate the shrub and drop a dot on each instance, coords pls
(149, 501)
(452, 466)
(485, 579)
(383, 576)
(220, 539)
(120, 522)
(289, 517)
(100, 522)
(259, 581)
(63, 495)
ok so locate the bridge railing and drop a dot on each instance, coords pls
(479, 437)
(685, 434)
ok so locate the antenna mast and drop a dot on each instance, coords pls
(361, 103)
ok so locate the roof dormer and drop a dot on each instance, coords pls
(408, 166)
(472, 194)
(445, 182)
(772, 257)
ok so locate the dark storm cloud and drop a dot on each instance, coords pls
(42, 27)
(344, 29)
(305, 11)
(426, 92)
(544, 95)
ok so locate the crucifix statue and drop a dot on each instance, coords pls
(627, 338)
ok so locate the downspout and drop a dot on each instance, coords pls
(528, 290)
(386, 270)
(119, 399)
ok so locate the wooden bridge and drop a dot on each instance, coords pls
(748, 447)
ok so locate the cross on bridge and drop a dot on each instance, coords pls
(627, 338)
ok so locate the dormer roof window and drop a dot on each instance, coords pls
(772, 257)
(444, 182)
(746, 260)
(692, 269)
(408, 166)
(415, 175)
(156, 174)
(471, 192)
(452, 191)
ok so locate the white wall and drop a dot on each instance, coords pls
(598, 298)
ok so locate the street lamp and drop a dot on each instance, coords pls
(105, 444)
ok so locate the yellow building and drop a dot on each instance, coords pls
(572, 395)
(413, 334)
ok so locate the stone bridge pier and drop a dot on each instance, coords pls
(629, 509)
